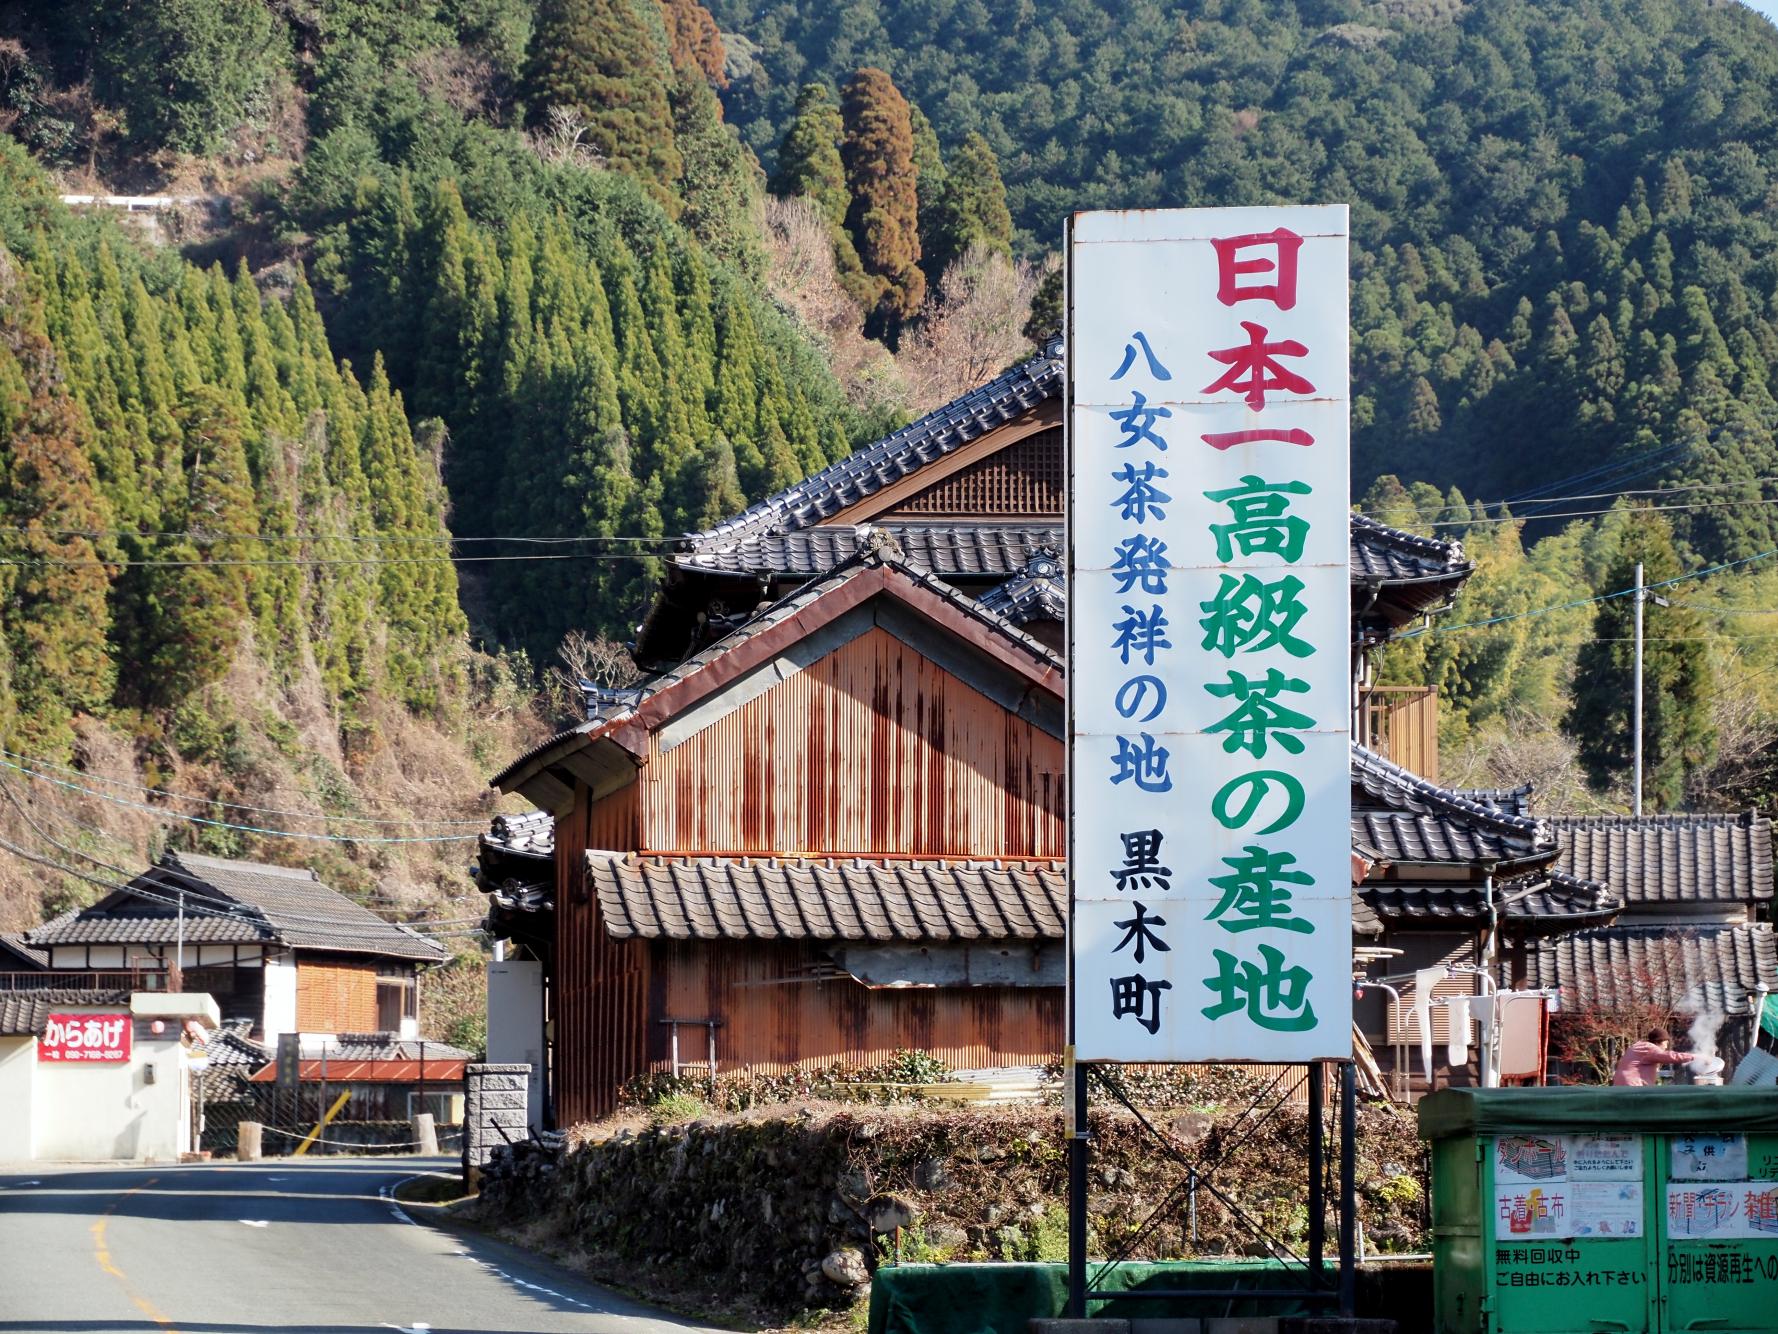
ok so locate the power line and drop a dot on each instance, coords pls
(208, 535)
(225, 824)
(1692, 506)
(1585, 602)
(1593, 495)
(226, 805)
(194, 901)
(312, 561)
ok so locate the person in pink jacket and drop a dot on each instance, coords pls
(1641, 1064)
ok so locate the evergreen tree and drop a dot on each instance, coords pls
(182, 72)
(723, 188)
(930, 179)
(971, 208)
(809, 166)
(693, 41)
(608, 60)
(883, 216)
(51, 517)
(1678, 732)
(196, 598)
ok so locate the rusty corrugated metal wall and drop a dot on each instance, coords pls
(873, 749)
(775, 1019)
(601, 985)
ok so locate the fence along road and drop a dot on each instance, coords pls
(309, 1246)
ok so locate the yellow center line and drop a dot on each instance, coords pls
(103, 1255)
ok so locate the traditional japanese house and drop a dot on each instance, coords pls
(834, 833)
(272, 945)
(1695, 934)
(1464, 880)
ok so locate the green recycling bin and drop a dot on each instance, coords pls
(1594, 1210)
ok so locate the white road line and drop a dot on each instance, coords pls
(388, 1195)
(254, 1222)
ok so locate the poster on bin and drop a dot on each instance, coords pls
(85, 1037)
(1208, 676)
(1726, 1210)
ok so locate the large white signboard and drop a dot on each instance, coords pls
(1208, 633)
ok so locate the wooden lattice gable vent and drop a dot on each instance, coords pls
(1024, 479)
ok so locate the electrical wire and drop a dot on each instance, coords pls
(314, 561)
(195, 902)
(1587, 602)
(1690, 508)
(226, 824)
(1592, 495)
(226, 805)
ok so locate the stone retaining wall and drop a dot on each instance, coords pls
(798, 1209)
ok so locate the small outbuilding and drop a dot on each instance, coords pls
(92, 1075)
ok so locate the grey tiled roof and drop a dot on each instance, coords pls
(388, 1047)
(1684, 969)
(531, 835)
(1036, 592)
(724, 898)
(1390, 555)
(24, 1013)
(304, 913)
(990, 548)
(1672, 859)
(142, 924)
(264, 904)
(1365, 921)
(28, 954)
(1532, 904)
(1410, 819)
(1516, 800)
(952, 550)
(794, 603)
(230, 1046)
(868, 470)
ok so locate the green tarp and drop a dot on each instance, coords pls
(1000, 1298)
(1768, 1015)
(1738, 1111)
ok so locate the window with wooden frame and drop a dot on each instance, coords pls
(398, 996)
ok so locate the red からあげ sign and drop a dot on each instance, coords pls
(85, 1037)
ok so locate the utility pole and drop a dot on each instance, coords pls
(1636, 723)
(179, 947)
(1642, 599)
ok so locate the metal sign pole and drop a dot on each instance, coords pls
(1348, 1189)
(1317, 1177)
(1077, 1191)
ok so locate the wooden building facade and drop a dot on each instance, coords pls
(833, 834)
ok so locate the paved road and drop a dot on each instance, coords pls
(300, 1247)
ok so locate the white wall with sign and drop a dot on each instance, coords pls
(1208, 666)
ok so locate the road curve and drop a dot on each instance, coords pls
(301, 1246)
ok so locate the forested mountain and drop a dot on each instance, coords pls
(491, 298)
(1566, 214)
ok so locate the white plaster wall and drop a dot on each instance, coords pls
(280, 997)
(515, 1025)
(18, 1061)
(99, 1111)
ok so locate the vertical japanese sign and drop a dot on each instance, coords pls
(85, 1037)
(1208, 631)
